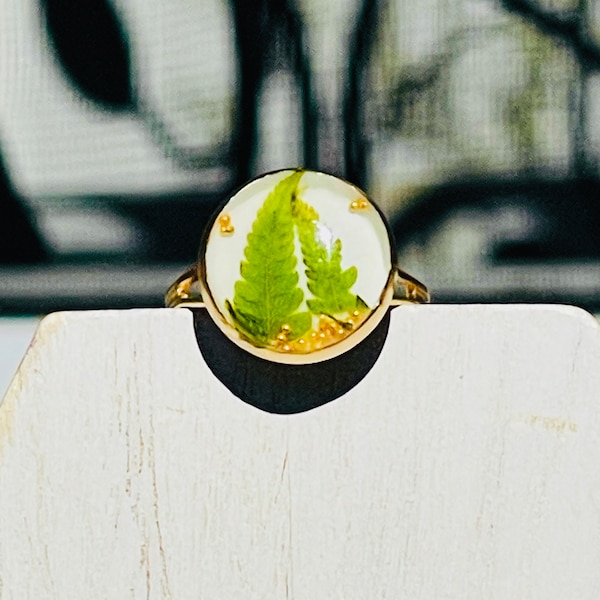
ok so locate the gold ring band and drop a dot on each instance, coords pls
(185, 291)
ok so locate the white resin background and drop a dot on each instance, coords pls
(364, 237)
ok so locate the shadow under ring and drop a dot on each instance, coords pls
(285, 388)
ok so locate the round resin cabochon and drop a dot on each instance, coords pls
(296, 261)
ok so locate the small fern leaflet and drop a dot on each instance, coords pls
(328, 283)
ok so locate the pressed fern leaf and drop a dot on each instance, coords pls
(328, 283)
(267, 297)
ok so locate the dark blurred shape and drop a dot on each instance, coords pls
(92, 48)
(568, 25)
(19, 241)
(269, 36)
(362, 39)
(281, 388)
(173, 225)
(564, 216)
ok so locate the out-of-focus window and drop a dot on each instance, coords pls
(477, 131)
(473, 124)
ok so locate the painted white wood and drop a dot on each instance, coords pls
(464, 466)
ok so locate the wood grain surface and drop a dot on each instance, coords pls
(464, 465)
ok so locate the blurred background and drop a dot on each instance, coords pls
(474, 124)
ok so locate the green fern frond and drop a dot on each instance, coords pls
(327, 282)
(267, 296)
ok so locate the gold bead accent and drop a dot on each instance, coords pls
(360, 204)
(225, 226)
(328, 331)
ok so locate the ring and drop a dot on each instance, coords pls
(298, 266)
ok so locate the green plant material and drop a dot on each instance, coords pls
(327, 282)
(267, 296)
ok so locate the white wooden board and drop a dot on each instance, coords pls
(464, 466)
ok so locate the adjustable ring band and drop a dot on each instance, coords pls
(296, 267)
(185, 291)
